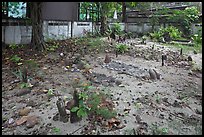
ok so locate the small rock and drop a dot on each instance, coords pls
(31, 103)
(190, 58)
(161, 116)
(23, 91)
(121, 85)
(24, 112)
(190, 72)
(198, 112)
(15, 81)
(139, 84)
(157, 74)
(152, 74)
(118, 82)
(11, 121)
(61, 54)
(138, 118)
(195, 52)
(31, 121)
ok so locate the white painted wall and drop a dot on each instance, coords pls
(22, 34)
(79, 27)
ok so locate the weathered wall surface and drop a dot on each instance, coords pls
(21, 34)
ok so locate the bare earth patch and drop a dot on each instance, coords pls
(170, 105)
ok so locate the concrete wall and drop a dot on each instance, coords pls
(196, 28)
(59, 31)
(62, 30)
(79, 28)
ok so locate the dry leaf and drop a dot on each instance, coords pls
(21, 120)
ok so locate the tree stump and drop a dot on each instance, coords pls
(62, 111)
(164, 57)
(24, 75)
(73, 115)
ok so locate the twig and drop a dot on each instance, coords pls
(77, 129)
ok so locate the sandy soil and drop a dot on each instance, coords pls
(171, 105)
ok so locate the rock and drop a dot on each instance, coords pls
(190, 72)
(15, 81)
(11, 121)
(157, 74)
(31, 121)
(195, 52)
(138, 118)
(190, 58)
(118, 82)
(61, 54)
(107, 59)
(152, 74)
(31, 103)
(68, 61)
(199, 112)
(24, 111)
(23, 91)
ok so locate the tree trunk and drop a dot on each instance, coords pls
(37, 41)
(123, 12)
(104, 23)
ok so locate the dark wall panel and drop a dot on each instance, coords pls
(60, 11)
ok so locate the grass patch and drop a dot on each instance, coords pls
(185, 48)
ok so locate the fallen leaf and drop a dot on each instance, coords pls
(21, 120)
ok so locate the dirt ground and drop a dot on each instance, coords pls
(169, 105)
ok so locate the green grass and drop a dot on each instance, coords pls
(186, 48)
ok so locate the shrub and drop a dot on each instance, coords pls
(197, 38)
(117, 28)
(15, 59)
(173, 32)
(121, 48)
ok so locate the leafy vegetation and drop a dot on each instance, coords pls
(116, 28)
(158, 131)
(197, 39)
(15, 59)
(173, 32)
(25, 85)
(185, 18)
(121, 48)
(91, 102)
(31, 64)
(15, 46)
(53, 46)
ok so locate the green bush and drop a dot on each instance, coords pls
(117, 28)
(15, 59)
(15, 46)
(197, 38)
(171, 30)
(121, 48)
